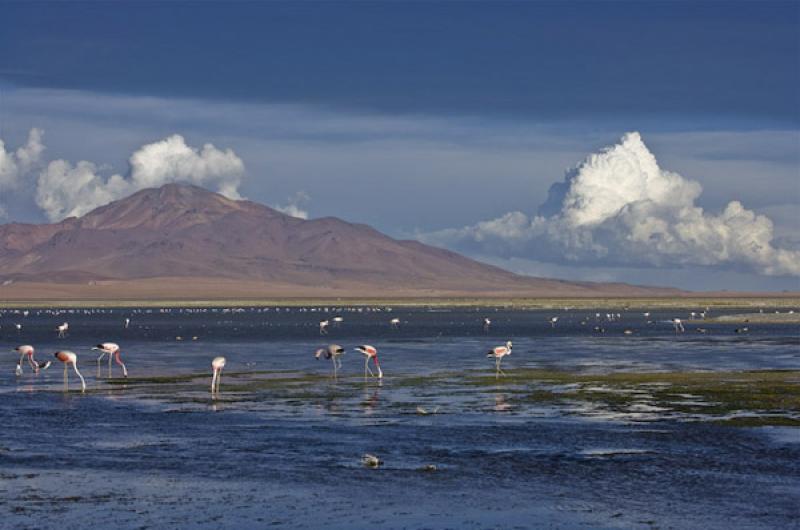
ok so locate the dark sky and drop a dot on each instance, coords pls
(723, 62)
(419, 117)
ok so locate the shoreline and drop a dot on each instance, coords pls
(522, 303)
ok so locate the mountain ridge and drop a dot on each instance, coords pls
(183, 231)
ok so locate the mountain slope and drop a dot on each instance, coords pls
(180, 231)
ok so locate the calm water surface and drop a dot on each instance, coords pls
(287, 454)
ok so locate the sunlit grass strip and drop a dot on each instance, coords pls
(620, 303)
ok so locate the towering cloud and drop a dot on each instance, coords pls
(14, 164)
(65, 190)
(618, 207)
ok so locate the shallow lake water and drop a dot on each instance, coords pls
(281, 445)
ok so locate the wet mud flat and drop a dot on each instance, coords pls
(534, 449)
(654, 429)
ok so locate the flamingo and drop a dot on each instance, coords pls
(486, 324)
(113, 351)
(62, 330)
(26, 350)
(553, 321)
(371, 352)
(678, 325)
(395, 323)
(332, 352)
(127, 322)
(337, 320)
(68, 357)
(323, 327)
(370, 460)
(498, 352)
(216, 366)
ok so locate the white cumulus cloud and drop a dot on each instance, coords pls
(15, 164)
(295, 206)
(619, 208)
(65, 190)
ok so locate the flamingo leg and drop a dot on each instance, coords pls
(83, 383)
(19, 364)
(213, 381)
(335, 368)
(33, 364)
(499, 370)
(102, 354)
(367, 368)
(219, 380)
(122, 364)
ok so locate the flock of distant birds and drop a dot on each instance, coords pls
(332, 352)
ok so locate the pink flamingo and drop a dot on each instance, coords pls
(113, 351)
(498, 352)
(371, 352)
(332, 352)
(26, 350)
(68, 357)
(216, 366)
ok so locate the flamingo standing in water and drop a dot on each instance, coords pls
(113, 351)
(26, 350)
(68, 357)
(678, 325)
(486, 325)
(323, 327)
(395, 323)
(332, 352)
(498, 352)
(371, 352)
(553, 321)
(62, 330)
(216, 366)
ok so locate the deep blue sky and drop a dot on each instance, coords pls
(708, 61)
(418, 117)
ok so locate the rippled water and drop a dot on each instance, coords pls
(281, 446)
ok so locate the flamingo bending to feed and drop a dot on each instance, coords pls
(113, 351)
(26, 350)
(216, 366)
(68, 357)
(332, 352)
(371, 352)
(62, 330)
(498, 352)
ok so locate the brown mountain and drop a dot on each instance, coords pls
(181, 240)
